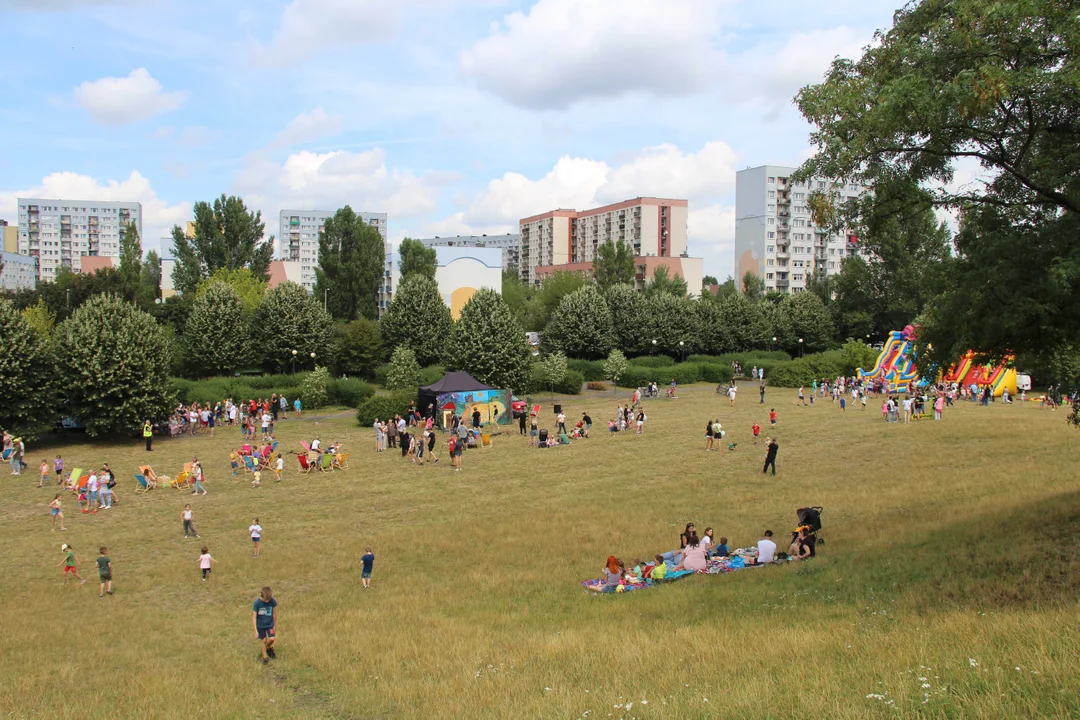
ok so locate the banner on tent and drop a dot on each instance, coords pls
(494, 406)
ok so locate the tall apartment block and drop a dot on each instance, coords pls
(775, 237)
(568, 239)
(59, 233)
(510, 244)
(298, 238)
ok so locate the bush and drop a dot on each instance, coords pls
(570, 385)
(596, 386)
(381, 374)
(713, 373)
(432, 374)
(805, 370)
(384, 406)
(348, 393)
(591, 370)
(654, 361)
(214, 390)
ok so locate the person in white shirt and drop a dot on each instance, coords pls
(92, 493)
(279, 469)
(265, 425)
(255, 530)
(766, 549)
(907, 410)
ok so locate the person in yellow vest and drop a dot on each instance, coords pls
(148, 435)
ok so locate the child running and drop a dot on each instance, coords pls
(772, 417)
(206, 562)
(264, 619)
(56, 513)
(756, 430)
(104, 566)
(71, 564)
(255, 529)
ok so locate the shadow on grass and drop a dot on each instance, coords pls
(1023, 557)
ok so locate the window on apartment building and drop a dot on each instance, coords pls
(840, 253)
(832, 266)
(771, 234)
(770, 262)
(772, 181)
(832, 251)
(797, 277)
(772, 193)
(771, 221)
(770, 248)
(821, 184)
(768, 276)
(771, 207)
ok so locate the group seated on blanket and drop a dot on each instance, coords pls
(699, 555)
(548, 440)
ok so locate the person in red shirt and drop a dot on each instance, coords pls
(757, 431)
(772, 417)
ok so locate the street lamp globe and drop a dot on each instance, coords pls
(774, 338)
(294, 353)
(312, 356)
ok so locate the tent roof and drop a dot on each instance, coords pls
(456, 382)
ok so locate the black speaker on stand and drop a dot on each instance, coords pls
(558, 409)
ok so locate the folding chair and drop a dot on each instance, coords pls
(179, 482)
(341, 460)
(76, 474)
(249, 464)
(305, 468)
(6, 454)
(327, 462)
(143, 486)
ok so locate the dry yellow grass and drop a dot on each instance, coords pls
(947, 543)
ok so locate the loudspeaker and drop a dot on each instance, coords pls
(558, 409)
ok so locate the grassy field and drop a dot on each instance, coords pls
(947, 586)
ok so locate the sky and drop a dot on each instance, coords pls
(451, 116)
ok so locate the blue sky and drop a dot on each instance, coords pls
(453, 116)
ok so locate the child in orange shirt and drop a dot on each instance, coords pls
(772, 417)
(757, 431)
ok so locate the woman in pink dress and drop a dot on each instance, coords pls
(693, 556)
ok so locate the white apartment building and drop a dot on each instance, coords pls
(775, 237)
(58, 233)
(510, 244)
(298, 238)
(654, 227)
(19, 272)
(459, 273)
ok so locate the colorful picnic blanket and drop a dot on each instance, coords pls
(716, 565)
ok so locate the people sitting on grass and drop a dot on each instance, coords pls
(612, 576)
(693, 556)
(766, 549)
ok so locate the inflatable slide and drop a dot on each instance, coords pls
(999, 377)
(896, 363)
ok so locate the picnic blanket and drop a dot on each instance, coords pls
(715, 566)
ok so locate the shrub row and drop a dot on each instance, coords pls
(384, 406)
(349, 393)
(683, 373)
(428, 375)
(570, 385)
(804, 370)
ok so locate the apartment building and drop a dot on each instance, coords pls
(298, 238)
(19, 272)
(775, 236)
(10, 236)
(59, 233)
(656, 229)
(509, 244)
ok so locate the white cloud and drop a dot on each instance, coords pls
(309, 26)
(806, 57)
(306, 127)
(158, 215)
(581, 183)
(565, 51)
(115, 101)
(333, 179)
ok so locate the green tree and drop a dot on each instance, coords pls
(489, 343)
(28, 379)
(726, 288)
(809, 320)
(70, 290)
(713, 337)
(416, 259)
(627, 307)
(289, 319)
(404, 373)
(753, 285)
(357, 348)
(226, 236)
(520, 298)
(215, 336)
(553, 369)
(551, 292)
(662, 282)
(131, 256)
(313, 389)
(744, 323)
(249, 288)
(670, 320)
(991, 83)
(42, 321)
(615, 367)
(614, 264)
(709, 280)
(351, 268)
(581, 325)
(149, 288)
(115, 363)
(418, 318)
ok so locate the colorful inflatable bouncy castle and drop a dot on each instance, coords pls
(896, 363)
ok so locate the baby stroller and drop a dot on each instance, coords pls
(811, 518)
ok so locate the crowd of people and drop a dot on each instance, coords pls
(248, 415)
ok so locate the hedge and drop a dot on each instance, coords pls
(654, 361)
(570, 385)
(804, 370)
(683, 373)
(591, 370)
(385, 406)
(428, 375)
(349, 393)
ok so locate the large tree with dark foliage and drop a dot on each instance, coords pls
(227, 236)
(993, 84)
(350, 271)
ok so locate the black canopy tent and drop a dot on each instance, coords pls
(451, 382)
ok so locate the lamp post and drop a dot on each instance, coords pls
(312, 359)
(293, 362)
(682, 351)
(774, 342)
(800, 346)
(653, 347)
